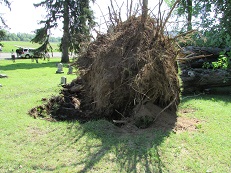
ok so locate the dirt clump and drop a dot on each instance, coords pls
(128, 74)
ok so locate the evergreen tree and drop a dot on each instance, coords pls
(77, 20)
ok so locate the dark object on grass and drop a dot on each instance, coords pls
(3, 76)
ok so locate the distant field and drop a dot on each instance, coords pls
(9, 45)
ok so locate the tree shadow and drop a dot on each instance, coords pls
(30, 65)
(225, 97)
(129, 148)
(126, 148)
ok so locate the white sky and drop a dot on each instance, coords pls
(24, 17)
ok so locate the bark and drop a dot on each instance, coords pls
(144, 11)
(196, 78)
(194, 57)
(189, 18)
(199, 79)
(65, 39)
(203, 50)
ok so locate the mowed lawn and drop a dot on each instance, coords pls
(36, 145)
(9, 45)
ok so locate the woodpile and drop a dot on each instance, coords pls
(195, 76)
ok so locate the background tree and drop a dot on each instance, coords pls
(77, 19)
(2, 21)
(187, 5)
(223, 7)
(185, 8)
(211, 18)
(144, 10)
(2, 34)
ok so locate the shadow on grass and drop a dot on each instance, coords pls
(105, 147)
(132, 149)
(28, 64)
(225, 97)
(125, 149)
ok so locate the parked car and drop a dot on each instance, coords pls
(25, 52)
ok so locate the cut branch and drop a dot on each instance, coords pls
(194, 57)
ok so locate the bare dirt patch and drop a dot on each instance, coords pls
(186, 124)
(184, 111)
(168, 122)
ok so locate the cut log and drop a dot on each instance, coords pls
(203, 50)
(194, 57)
(200, 79)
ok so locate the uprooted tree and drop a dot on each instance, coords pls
(130, 74)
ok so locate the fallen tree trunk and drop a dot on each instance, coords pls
(200, 79)
(203, 50)
(195, 57)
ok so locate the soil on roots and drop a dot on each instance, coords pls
(129, 75)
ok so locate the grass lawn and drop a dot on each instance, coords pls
(9, 45)
(35, 145)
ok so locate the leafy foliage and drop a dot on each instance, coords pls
(210, 18)
(2, 34)
(223, 62)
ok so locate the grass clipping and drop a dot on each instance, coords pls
(122, 71)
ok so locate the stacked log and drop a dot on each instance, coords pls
(197, 78)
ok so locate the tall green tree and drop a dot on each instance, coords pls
(185, 8)
(220, 23)
(189, 10)
(211, 17)
(223, 7)
(77, 19)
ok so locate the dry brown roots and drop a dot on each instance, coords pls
(120, 73)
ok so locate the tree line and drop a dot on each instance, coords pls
(24, 37)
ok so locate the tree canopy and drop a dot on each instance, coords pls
(211, 18)
(77, 19)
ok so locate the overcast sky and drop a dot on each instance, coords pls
(24, 17)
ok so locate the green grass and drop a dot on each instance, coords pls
(9, 45)
(34, 145)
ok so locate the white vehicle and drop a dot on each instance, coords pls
(24, 52)
(27, 53)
